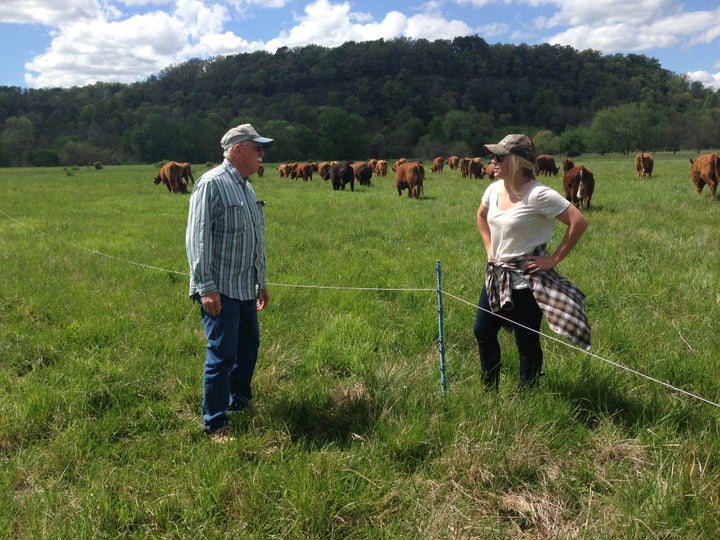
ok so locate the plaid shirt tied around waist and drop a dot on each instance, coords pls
(562, 303)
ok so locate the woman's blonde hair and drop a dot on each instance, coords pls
(519, 164)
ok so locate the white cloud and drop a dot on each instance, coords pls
(48, 12)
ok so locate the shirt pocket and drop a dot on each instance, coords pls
(235, 217)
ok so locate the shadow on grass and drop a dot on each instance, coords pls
(337, 418)
(601, 397)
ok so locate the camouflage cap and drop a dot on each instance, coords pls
(514, 143)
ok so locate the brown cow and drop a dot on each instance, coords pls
(261, 170)
(705, 169)
(284, 169)
(453, 162)
(579, 184)
(438, 164)
(187, 172)
(172, 174)
(322, 168)
(302, 170)
(490, 171)
(464, 166)
(363, 172)
(644, 164)
(476, 168)
(381, 167)
(545, 165)
(398, 163)
(567, 164)
(409, 175)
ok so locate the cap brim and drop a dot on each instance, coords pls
(263, 140)
(496, 149)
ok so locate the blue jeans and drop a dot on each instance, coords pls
(233, 340)
(525, 312)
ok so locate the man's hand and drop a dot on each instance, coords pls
(211, 303)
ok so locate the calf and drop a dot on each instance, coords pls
(579, 184)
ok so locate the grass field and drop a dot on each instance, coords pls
(101, 356)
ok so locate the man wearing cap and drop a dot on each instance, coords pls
(225, 247)
(516, 219)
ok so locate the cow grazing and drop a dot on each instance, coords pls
(705, 169)
(579, 184)
(341, 174)
(438, 164)
(644, 164)
(410, 175)
(567, 164)
(174, 175)
(545, 165)
(464, 166)
(453, 162)
(363, 172)
(261, 170)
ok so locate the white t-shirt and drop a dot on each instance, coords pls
(519, 230)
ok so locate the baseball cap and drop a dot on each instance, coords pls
(514, 143)
(243, 132)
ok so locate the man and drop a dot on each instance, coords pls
(225, 246)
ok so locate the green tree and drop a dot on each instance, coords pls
(341, 135)
(18, 138)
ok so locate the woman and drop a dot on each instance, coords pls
(516, 220)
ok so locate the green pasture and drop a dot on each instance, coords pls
(101, 356)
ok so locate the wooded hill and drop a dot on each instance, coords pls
(380, 98)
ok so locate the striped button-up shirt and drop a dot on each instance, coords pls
(225, 238)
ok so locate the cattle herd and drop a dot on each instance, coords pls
(578, 180)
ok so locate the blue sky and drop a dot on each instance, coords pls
(49, 43)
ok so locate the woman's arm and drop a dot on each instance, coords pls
(484, 228)
(577, 224)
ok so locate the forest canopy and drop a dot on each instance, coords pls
(384, 98)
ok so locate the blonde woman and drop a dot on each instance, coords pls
(516, 219)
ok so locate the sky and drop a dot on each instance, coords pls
(54, 43)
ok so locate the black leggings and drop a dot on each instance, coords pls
(527, 315)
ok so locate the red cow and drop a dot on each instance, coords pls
(476, 168)
(438, 164)
(172, 174)
(409, 175)
(381, 167)
(644, 164)
(705, 169)
(579, 184)
(567, 164)
(545, 165)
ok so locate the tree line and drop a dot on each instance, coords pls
(384, 98)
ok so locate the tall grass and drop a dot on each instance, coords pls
(101, 356)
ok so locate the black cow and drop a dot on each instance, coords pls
(341, 174)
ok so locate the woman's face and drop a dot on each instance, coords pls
(500, 164)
